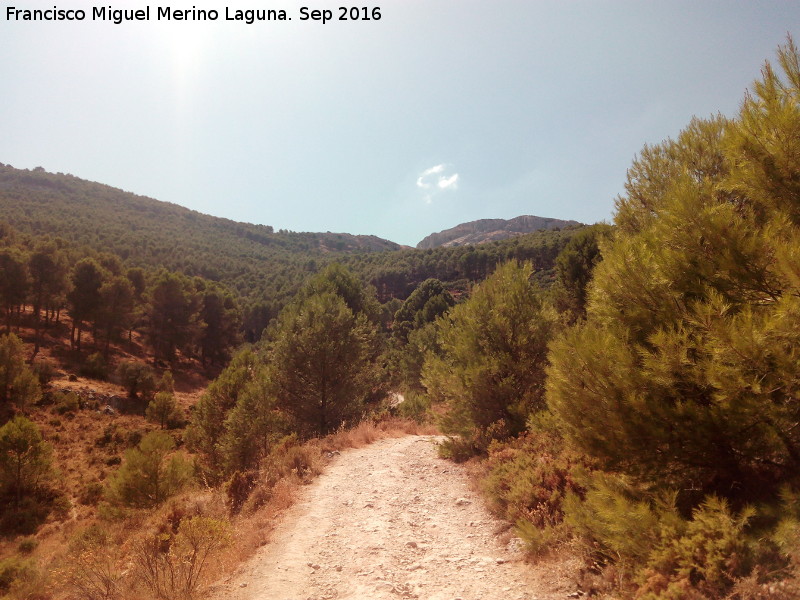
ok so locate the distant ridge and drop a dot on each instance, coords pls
(490, 230)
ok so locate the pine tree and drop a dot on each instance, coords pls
(18, 384)
(14, 282)
(48, 273)
(25, 459)
(150, 473)
(220, 323)
(323, 361)
(211, 412)
(172, 315)
(116, 311)
(164, 410)
(685, 372)
(84, 298)
(493, 354)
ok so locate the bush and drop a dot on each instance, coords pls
(527, 480)
(92, 493)
(95, 367)
(27, 545)
(457, 449)
(173, 566)
(92, 572)
(415, 406)
(66, 402)
(148, 475)
(645, 540)
(238, 489)
(44, 372)
(164, 410)
(709, 553)
(137, 378)
(13, 569)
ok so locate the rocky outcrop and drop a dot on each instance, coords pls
(489, 230)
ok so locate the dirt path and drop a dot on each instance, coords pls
(390, 520)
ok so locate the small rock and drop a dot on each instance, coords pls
(500, 561)
(463, 502)
(242, 585)
(411, 544)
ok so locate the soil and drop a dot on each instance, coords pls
(392, 520)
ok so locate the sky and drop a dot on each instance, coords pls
(437, 113)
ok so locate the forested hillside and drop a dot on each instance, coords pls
(261, 269)
(250, 259)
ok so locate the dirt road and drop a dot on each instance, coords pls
(390, 520)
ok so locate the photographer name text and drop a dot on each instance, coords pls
(118, 16)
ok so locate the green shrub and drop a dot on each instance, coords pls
(527, 480)
(415, 406)
(66, 403)
(12, 569)
(238, 489)
(457, 449)
(137, 378)
(27, 545)
(95, 367)
(709, 553)
(150, 473)
(44, 371)
(622, 523)
(164, 410)
(645, 540)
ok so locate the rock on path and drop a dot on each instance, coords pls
(390, 520)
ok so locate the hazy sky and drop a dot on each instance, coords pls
(442, 111)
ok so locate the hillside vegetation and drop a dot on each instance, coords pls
(261, 269)
(660, 430)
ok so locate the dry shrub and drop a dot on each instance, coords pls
(369, 431)
(238, 489)
(31, 584)
(92, 572)
(289, 465)
(754, 588)
(173, 566)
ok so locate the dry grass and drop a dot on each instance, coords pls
(369, 431)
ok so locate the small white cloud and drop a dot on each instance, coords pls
(423, 180)
(449, 183)
(435, 178)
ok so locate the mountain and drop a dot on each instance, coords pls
(491, 230)
(39, 202)
(253, 260)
